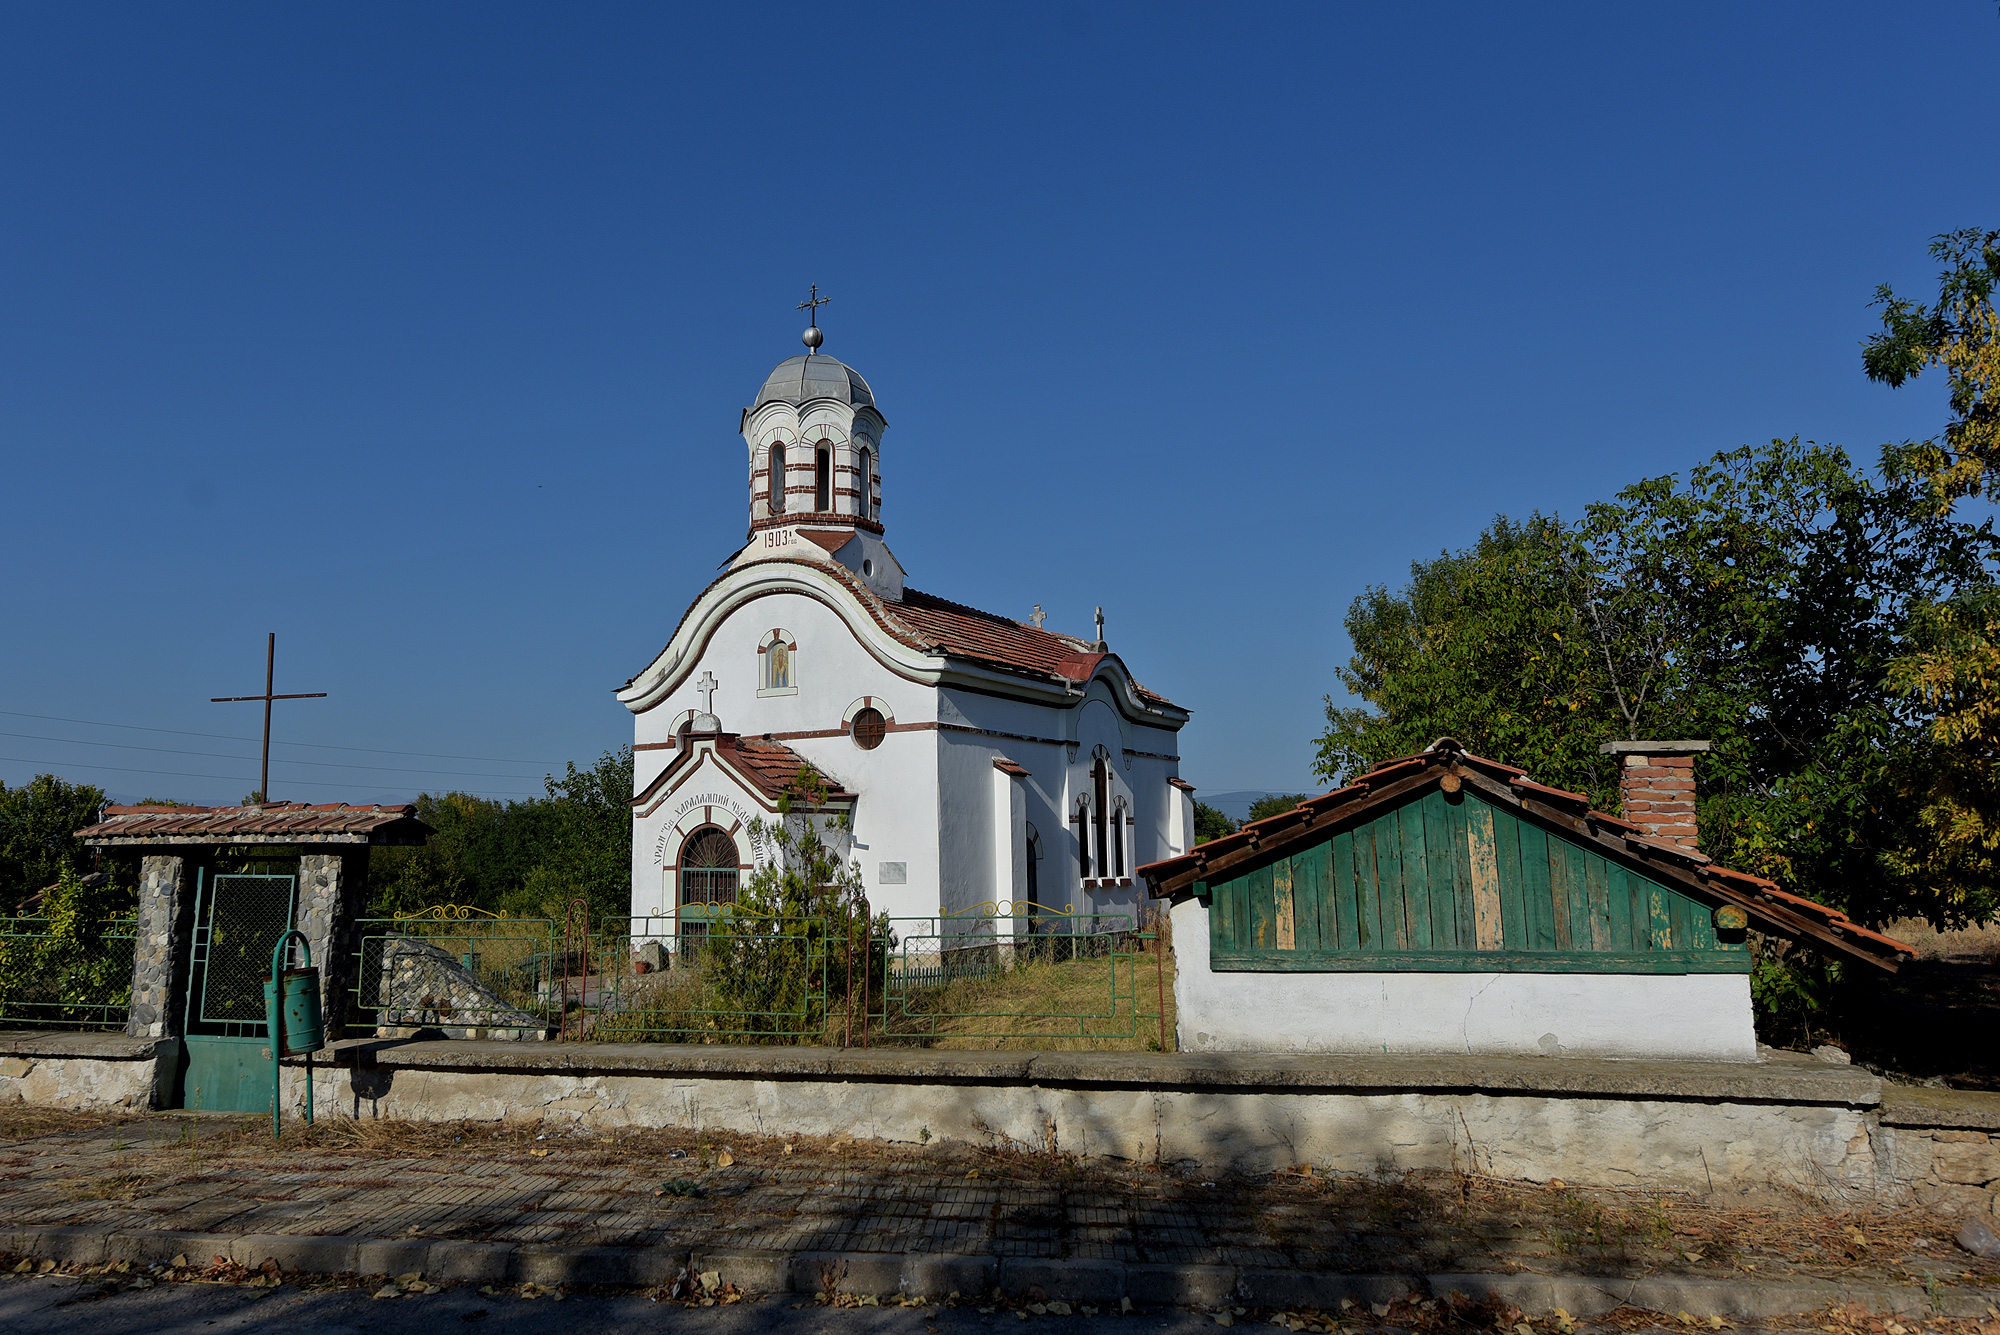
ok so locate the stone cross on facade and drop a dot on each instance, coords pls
(1100, 628)
(706, 689)
(1038, 616)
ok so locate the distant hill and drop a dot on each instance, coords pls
(1236, 806)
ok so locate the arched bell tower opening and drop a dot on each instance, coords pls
(814, 441)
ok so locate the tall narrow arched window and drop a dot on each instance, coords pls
(1032, 855)
(778, 478)
(864, 505)
(1083, 838)
(823, 478)
(1100, 812)
(1118, 839)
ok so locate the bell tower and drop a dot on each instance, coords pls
(814, 437)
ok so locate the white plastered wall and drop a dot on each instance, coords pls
(896, 817)
(1704, 1016)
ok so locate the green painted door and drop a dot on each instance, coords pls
(238, 919)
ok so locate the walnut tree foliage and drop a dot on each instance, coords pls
(1767, 601)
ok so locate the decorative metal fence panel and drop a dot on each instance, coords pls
(462, 970)
(78, 980)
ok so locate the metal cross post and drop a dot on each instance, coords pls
(812, 304)
(705, 688)
(1100, 628)
(1038, 616)
(270, 664)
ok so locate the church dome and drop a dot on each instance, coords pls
(799, 380)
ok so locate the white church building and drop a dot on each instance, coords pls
(983, 763)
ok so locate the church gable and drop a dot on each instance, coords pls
(1448, 881)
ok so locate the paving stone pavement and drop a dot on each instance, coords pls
(506, 1204)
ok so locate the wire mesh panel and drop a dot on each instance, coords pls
(246, 914)
(77, 975)
(461, 970)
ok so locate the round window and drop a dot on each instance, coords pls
(868, 728)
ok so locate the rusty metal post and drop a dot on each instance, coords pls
(867, 972)
(1160, 976)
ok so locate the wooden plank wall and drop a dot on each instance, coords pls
(1437, 880)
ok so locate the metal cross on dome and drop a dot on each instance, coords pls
(706, 689)
(812, 304)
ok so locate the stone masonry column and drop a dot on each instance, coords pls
(162, 881)
(330, 889)
(1656, 788)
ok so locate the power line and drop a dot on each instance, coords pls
(185, 774)
(229, 737)
(217, 755)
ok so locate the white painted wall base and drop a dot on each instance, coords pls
(1699, 1016)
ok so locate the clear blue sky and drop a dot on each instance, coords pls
(418, 334)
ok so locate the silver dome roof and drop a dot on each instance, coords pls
(801, 379)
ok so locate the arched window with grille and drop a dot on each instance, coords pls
(778, 478)
(709, 872)
(1118, 819)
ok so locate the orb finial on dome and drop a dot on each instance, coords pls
(812, 338)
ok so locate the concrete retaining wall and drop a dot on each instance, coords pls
(1789, 1121)
(88, 1072)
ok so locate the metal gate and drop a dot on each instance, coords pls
(238, 918)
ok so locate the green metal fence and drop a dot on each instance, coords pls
(78, 977)
(461, 970)
(991, 976)
(995, 975)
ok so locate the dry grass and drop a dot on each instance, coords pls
(1973, 944)
(1062, 1007)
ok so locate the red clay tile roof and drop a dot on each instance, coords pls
(1006, 766)
(271, 823)
(967, 632)
(832, 540)
(772, 766)
(768, 766)
(1777, 910)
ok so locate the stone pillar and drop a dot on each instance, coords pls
(162, 883)
(1656, 789)
(330, 890)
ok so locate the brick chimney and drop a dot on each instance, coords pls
(1656, 789)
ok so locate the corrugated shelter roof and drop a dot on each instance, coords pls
(1773, 910)
(270, 823)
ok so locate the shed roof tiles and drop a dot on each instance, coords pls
(269, 823)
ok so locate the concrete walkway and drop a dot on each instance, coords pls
(484, 1205)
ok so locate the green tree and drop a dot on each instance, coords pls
(38, 825)
(1210, 823)
(1960, 333)
(1274, 804)
(781, 955)
(1758, 602)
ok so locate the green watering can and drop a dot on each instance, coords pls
(291, 1009)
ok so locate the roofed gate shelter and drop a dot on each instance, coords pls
(218, 885)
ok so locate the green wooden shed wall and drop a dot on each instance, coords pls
(1454, 882)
